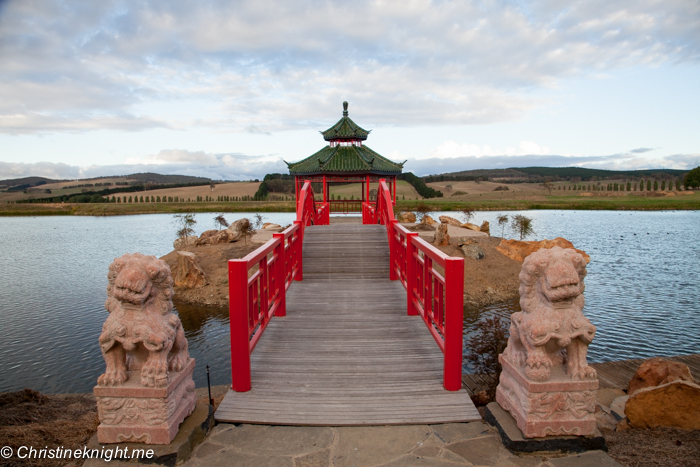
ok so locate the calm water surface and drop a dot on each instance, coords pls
(641, 290)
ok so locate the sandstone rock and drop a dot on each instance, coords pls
(519, 250)
(239, 227)
(422, 228)
(473, 250)
(188, 273)
(184, 242)
(604, 420)
(657, 371)
(605, 396)
(450, 220)
(272, 227)
(617, 407)
(675, 404)
(469, 226)
(485, 228)
(406, 217)
(216, 237)
(428, 220)
(442, 238)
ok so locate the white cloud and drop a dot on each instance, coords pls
(265, 66)
(451, 150)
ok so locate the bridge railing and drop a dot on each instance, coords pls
(434, 283)
(258, 284)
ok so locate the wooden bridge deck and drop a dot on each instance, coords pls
(346, 353)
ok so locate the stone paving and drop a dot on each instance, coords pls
(470, 444)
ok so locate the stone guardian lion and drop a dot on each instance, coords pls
(551, 329)
(141, 332)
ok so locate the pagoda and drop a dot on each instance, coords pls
(346, 159)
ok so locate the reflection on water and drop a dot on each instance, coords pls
(474, 315)
(207, 332)
(641, 289)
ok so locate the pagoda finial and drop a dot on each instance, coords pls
(345, 109)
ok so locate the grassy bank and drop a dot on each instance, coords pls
(631, 202)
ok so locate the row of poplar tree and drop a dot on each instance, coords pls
(651, 185)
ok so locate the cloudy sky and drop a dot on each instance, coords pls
(231, 89)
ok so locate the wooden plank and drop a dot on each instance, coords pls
(347, 353)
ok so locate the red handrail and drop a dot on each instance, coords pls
(437, 298)
(258, 284)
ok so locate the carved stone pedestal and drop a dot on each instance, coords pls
(131, 412)
(558, 406)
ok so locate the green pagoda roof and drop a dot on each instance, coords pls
(345, 128)
(345, 159)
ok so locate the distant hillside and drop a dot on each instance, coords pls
(25, 182)
(536, 174)
(150, 177)
(21, 184)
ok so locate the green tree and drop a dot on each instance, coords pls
(678, 184)
(421, 210)
(692, 179)
(648, 185)
(663, 185)
(220, 221)
(467, 214)
(629, 186)
(503, 221)
(184, 224)
(522, 226)
(656, 185)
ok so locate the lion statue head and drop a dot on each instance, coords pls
(142, 281)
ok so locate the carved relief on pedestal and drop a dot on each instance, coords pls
(546, 383)
(147, 388)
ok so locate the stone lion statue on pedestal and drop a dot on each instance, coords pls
(141, 332)
(551, 329)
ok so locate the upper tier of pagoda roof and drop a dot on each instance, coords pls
(345, 129)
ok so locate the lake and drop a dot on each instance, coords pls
(641, 290)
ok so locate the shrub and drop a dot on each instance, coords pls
(522, 225)
(483, 348)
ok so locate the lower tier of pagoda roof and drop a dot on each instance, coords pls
(345, 160)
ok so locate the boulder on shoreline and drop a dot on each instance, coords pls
(180, 243)
(450, 220)
(406, 217)
(657, 371)
(519, 250)
(188, 274)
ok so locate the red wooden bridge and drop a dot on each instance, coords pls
(346, 324)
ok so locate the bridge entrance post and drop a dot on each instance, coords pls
(454, 314)
(238, 321)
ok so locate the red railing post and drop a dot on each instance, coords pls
(454, 315)
(281, 274)
(392, 248)
(298, 246)
(411, 274)
(238, 320)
